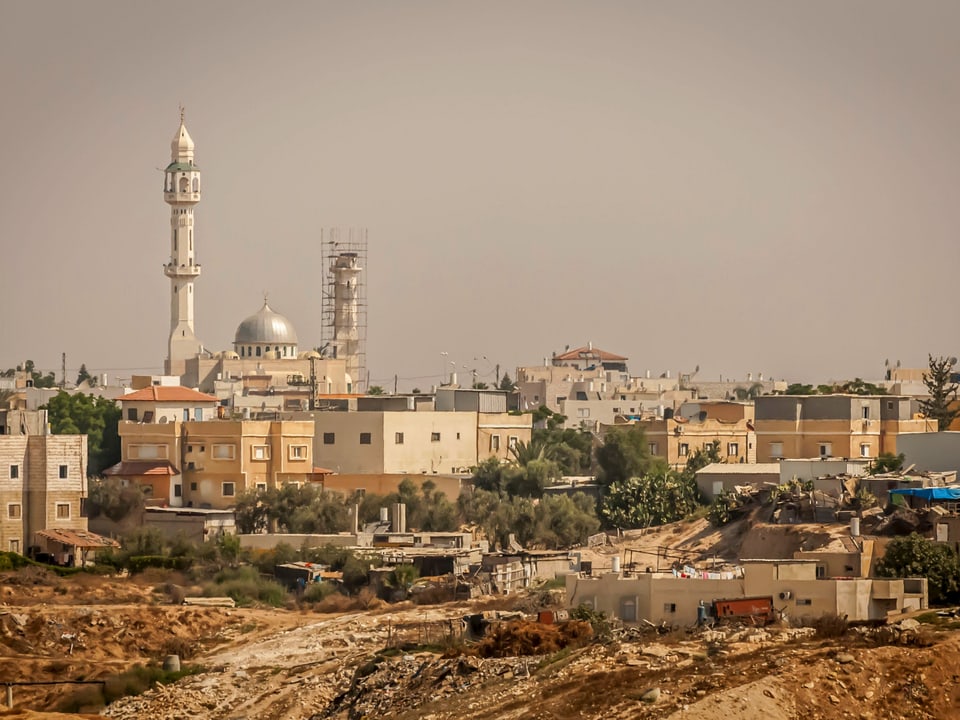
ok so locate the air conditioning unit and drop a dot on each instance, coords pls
(786, 595)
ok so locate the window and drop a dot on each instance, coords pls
(63, 511)
(583, 412)
(365, 438)
(178, 490)
(13, 510)
(258, 351)
(63, 472)
(193, 487)
(512, 441)
(228, 489)
(84, 510)
(224, 452)
(776, 449)
(889, 404)
(132, 414)
(733, 449)
(494, 443)
(260, 452)
(669, 607)
(804, 601)
(15, 546)
(684, 449)
(298, 452)
(458, 436)
(865, 412)
(198, 414)
(826, 450)
(865, 450)
(261, 487)
(434, 437)
(329, 438)
(398, 438)
(189, 448)
(14, 472)
(652, 448)
(821, 572)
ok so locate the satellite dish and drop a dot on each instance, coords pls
(953, 361)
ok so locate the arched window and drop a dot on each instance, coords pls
(196, 184)
(184, 184)
(258, 351)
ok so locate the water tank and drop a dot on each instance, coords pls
(855, 527)
(384, 515)
(615, 564)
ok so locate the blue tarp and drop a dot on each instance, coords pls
(931, 493)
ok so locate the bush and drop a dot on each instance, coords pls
(134, 681)
(246, 586)
(319, 591)
(139, 563)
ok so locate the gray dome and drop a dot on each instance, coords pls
(264, 327)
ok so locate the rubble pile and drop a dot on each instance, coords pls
(383, 685)
(529, 638)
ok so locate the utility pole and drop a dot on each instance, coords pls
(497, 375)
(63, 371)
(313, 384)
(395, 384)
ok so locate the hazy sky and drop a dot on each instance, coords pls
(748, 186)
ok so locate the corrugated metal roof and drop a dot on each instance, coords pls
(142, 467)
(78, 538)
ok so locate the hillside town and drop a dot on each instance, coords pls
(474, 539)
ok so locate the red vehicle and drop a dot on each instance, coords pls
(758, 610)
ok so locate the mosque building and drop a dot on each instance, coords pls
(266, 361)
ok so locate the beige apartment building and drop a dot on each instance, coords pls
(414, 442)
(696, 426)
(795, 586)
(208, 463)
(849, 426)
(43, 489)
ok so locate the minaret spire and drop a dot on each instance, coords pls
(181, 190)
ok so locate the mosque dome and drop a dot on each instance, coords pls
(266, 327)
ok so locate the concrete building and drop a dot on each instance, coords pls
(793, 584)
(163, 404)
(698, 425)
(931, 451)
(844, 426)
(206, 464)
(43, 488)
(718, 478)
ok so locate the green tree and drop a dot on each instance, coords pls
(701, 457)
(506, 384)
(800, 389)
(660, 496)
(376, 390)
(97, 418)
(750, 393)
(480, 386)
(83, 374)
(885, 463)
(915, 556)
(110, 498)
(942, 404)
(625, 454)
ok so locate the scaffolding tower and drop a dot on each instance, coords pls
(344, 314)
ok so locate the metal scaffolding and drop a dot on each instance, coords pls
(344, 313)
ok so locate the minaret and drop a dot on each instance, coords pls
(181, 190)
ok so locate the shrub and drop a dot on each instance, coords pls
(319, 591)
(139, 563)
(246, 586)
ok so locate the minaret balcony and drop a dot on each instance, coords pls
(181, 197)
(172, 270)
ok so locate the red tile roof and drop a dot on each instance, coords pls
(167, 393)
(586, 352)
(136, 468)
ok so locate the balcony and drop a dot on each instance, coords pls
(172, 271)
(181, 197)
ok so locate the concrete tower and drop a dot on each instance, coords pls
(181, 190)
(344, 302)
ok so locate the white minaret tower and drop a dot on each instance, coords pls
(181, 190)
